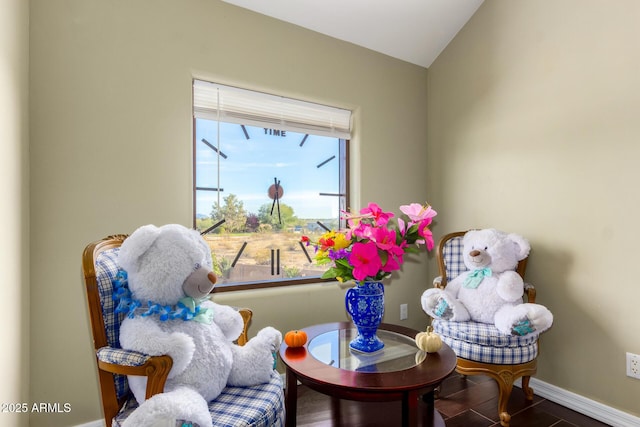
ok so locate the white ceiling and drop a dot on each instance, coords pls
(415, 31)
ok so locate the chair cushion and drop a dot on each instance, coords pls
(482, 342)
(257, 406)
(119, 356)
(106, 271)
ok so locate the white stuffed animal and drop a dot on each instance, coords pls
(169, 272)
(490, 291)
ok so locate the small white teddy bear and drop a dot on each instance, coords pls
(490, 291)
(169, 272)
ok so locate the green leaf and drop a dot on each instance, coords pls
(384, 256)
(413, 229)
(342, 262)
(412, 249)
(329, 274)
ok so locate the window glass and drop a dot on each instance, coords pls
(257, 190)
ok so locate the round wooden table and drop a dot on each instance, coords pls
(400, 371)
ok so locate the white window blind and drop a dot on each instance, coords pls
(234, 105)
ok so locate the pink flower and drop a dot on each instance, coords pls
(402, 226)
(416, 212)
(380, 217)
(384, 238)
(392, 264)
(393, 259)
(365, 260)
(364, 231)
(353, 220)
(424, 232)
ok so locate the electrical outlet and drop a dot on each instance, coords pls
(404, 311)
(633, 365)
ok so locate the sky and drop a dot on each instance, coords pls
(247, 168)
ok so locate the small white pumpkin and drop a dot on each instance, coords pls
(429, 341)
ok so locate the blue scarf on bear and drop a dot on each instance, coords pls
(473, 280)
(186, 309)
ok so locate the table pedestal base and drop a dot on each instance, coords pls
(349, 412)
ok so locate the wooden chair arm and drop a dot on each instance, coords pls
(530, 292)
(156, 369)
(437, 282)
(246, 318)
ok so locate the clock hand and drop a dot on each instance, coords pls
(275, 195)
(278, 200)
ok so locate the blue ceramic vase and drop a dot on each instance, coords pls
(365, 305)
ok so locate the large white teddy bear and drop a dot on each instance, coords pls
(169, 272)
(490, 291)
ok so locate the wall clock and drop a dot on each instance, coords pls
(269, 187)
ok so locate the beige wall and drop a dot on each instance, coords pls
(531, 109)
(14, 211)
(533, 128)
(111, 151)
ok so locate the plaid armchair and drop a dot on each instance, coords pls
(260, 406)
(482, 349)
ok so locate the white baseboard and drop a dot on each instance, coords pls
(573, 401)
(583, 405)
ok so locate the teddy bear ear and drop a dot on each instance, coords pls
(469, 235)
(136, 245)
(521, 244)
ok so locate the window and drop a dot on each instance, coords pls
(267, 170)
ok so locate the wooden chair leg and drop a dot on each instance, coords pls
(505, 385)
(528, 391)
(504, 375)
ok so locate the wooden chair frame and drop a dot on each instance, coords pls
(504, 375)
(156, 369)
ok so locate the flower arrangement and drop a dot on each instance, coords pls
(373, 246)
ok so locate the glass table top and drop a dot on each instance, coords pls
(399, 352)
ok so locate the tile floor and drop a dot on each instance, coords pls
(463, 402)
(473, 402)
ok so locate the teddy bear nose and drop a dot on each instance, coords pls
(212, 278)
(474, 252)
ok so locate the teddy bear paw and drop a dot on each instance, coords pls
(442, 309)
(523, 327)
(271, 336)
